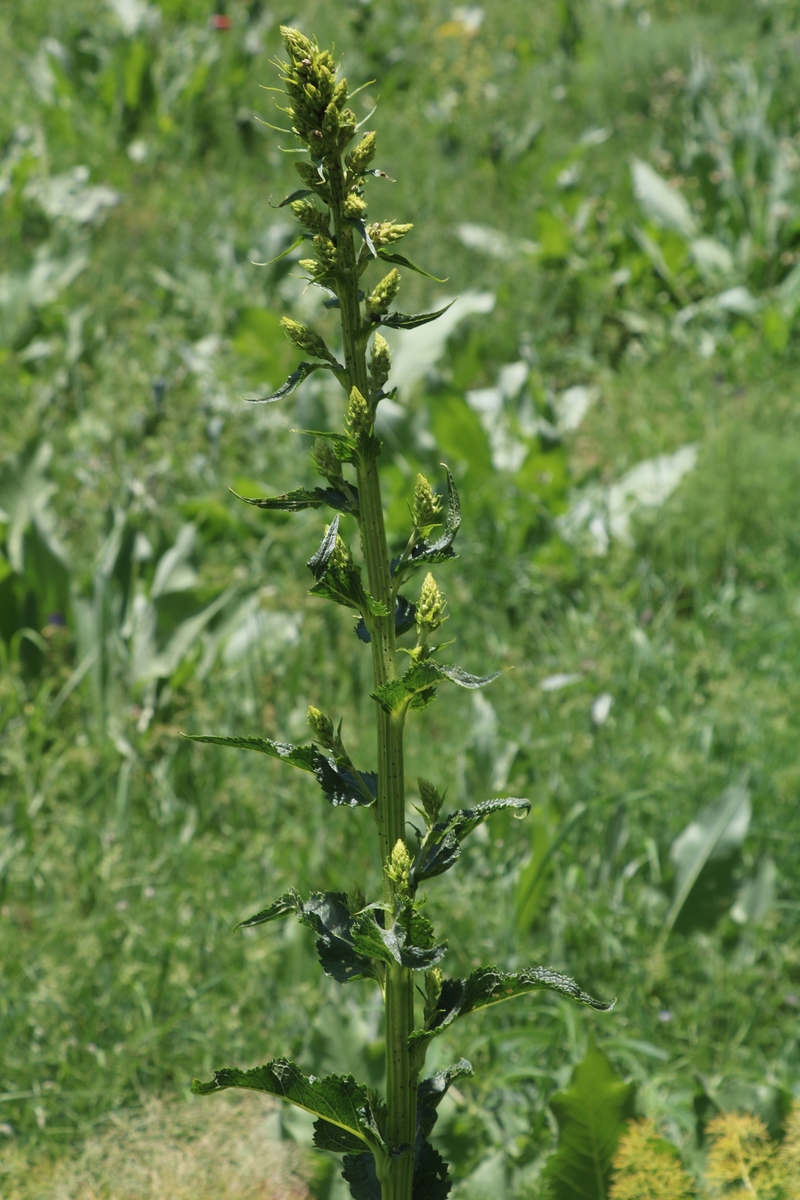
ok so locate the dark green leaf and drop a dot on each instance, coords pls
(358, 1172)
(442, 845)
(591, 1114)
(405, 613)
(289, 902)
(441, 548)
(326, 914)
(398, 320)
(337, 1099)
(408, 941)
(304, 498)
(416, 688)
(295, 379)
(339, 780)
(401, 261)
(300, 194)
(431, 1180)
(337, 1141)
(318, 563)
(433, 1090)
(488, 986)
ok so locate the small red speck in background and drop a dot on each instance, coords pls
(221, 22)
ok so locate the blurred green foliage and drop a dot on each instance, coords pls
(612, 189)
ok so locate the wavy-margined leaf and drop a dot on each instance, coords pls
(439, 549)
(408, 940)
(295, 379)
(397, 320)
(338, 778)
(591, 1113)
(441, 846)
(416, 689)
(301, 498)
(488, 986)
(400, 260)
(405, 614)
(327, 915)
(337, 1099)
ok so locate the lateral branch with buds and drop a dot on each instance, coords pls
(385, 1141)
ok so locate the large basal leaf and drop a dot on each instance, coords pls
(408, 940)
(441, 847)
(295, 379)
(717, 832)
(302, 498)
(416, 688)
(326, 914)
(591, 1114)
(339, 780)
(337, 1099)
(397, 320)
(438, 549)
(488, 986)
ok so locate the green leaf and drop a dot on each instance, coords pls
(302, 498)
(401, 261)
(337, 1099)
(358, 1172)
(488, 986)
(396, 320)
(591, 1114)
(338, 778)
(405, 614)
(441, 847)
(433, 1090)
(716, 832)
(341, 582)
(327, 915)
(295, 379)
(300, 194)
(298, 241)
(359, 224)
(416, 689)
(408, 941)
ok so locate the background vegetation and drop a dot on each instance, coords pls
(612, 191)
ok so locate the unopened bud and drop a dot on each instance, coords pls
(398, 866)
(305, 338)
(385, 233)
(340, 558)
(325, 460)
(433, 990)
(358, 417)
(427, 505)
(432, 801)
(430, 610)
(381, 297)
(321, 727)
(355, 206)
(380, 362)
(311, 218)
(360, 158)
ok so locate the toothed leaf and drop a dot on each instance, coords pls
(295, 379)
(302, 498)
(397, 320)
(409, 941)
(488, 986)
(441, 847)
(416, 689)
(433, 1090)
(401, 261)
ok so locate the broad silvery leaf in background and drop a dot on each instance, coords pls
(416, 352)
(660, 203)
(69, 197)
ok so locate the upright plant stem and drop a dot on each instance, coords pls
(401, 1082)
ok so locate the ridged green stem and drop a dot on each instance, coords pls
(401, 1079)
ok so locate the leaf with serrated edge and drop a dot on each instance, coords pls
(442, 845)
(397, 942)
(318, 563)
(412, 689)
(488, 986)
(433, 1090)
(301, 498)
(398, 320)
(295, 379)
(401, 261)
(337, 1099)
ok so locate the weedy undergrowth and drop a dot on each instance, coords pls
(388, 939)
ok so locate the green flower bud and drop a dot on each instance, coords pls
(359, 159)
(381, 297)
(430, 610)
(385, 233)
(325, 460)
(432, 801)
(340, 559)
(358, 418)
(321, 727)
(427, 505)
(355, 206)
(311, 217)
(398, 866)
(433, 990)
(380, 363)
(327, 253)
(304, 338)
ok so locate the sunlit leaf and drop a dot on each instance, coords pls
(400, 260)
(408, 940)
(416, 688)
(396, 320)
(441, 847)
(295, 379)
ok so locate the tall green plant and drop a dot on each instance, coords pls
(385, 1142)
